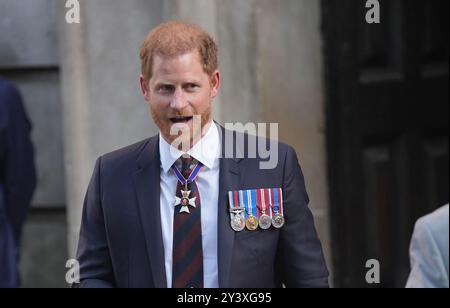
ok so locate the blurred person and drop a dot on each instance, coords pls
(17, 180)
(429, 251)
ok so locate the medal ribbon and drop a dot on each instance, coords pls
(252, 194)
(249, 208)
(249, 203)
(257, 202)
(191, 177)
(243, 203)
(278, 196)
(263, 202)
(234, 201)
(277, 200)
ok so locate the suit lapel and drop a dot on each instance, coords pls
(229, 180)
(147, 185)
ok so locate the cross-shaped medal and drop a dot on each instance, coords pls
(185, 201)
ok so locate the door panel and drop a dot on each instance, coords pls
(387, 130)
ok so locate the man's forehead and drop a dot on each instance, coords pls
(185, 66)
(193, 55)
(166, 76)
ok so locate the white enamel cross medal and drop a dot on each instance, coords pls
(185, 201)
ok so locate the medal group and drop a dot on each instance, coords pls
(256, 208)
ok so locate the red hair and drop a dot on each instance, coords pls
(176, 38)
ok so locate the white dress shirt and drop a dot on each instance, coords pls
(207, 152)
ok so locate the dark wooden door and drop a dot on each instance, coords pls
(387, 130)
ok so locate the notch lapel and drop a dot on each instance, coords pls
(229, 181)
(147, 185)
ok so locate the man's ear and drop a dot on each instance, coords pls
(144, 88)
(215, 83)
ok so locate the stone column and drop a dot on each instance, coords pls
(102, 106)
(291, 91)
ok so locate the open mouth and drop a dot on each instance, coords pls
(177, 120)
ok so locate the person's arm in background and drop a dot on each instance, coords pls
(429, 252)
(19, 170)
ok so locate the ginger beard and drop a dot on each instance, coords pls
(184, 134)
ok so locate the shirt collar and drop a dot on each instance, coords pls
(205, 151)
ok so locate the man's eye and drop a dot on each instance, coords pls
(166, 89)
(191, 86)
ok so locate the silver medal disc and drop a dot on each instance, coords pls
(278, 221)
(238, 223)
(265, 222)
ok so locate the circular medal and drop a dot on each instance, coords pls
(238, 223)
(278, 221)
(265, 222)
(252, 223)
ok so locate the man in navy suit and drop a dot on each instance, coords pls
(17, 180)
(176, 210)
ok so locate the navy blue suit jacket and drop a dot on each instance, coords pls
(17, 179)
(121, 241)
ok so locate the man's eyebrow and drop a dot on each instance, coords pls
(163, 83)
(191, 81)
(170, 83)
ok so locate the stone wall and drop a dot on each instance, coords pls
(80, 83)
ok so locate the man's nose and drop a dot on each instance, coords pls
(179, 101)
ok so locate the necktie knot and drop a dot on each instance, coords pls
(186, 163)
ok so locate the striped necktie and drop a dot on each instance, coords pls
(187, 262)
